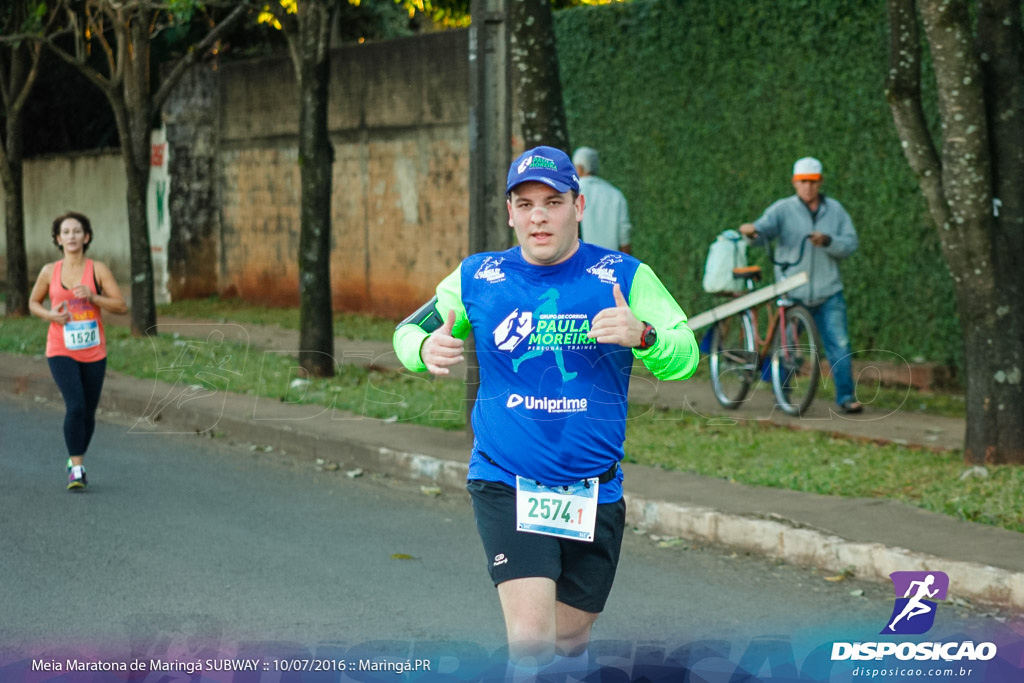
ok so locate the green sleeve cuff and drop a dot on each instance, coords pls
(407, 341)
(676, 354)
(408, 338)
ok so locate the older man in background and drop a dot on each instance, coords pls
(607, 223)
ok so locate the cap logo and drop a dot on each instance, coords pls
(537, 162)
(547, 165)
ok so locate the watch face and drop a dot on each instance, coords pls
(650, 336)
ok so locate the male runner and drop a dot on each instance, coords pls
(557, 324)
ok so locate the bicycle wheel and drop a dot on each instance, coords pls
(733, 359)
(796, 362)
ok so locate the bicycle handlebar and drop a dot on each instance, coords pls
(800, 257)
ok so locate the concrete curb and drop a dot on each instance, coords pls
(770, 535)
(784, 540)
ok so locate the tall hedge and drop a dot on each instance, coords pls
(699, 110)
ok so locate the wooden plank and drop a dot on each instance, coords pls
(748, 300)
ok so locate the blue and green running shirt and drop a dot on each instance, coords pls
(552, 403)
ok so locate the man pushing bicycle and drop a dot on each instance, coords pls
(811, 214)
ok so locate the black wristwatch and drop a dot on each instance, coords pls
(649, 338)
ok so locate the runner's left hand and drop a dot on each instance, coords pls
(617, 325)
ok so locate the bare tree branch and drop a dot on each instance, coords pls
(198, 51)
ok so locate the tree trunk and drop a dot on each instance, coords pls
(980, 239)
(143, 306)
(193, 206)
(19, 79)
(316, 157)
(143, 309)
(134, 127)
(1001, 40)
(536, 83)
(16, 300)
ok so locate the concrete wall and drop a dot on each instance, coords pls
(398, 119)
(92, 183)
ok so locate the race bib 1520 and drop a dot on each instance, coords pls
(81, 334)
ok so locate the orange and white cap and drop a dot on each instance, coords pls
(807, 168)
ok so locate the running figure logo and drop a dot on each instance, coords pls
(914, 613)
(518, 326)
(513, 330)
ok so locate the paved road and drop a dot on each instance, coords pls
(185, 545)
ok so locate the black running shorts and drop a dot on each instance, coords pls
(583, 571)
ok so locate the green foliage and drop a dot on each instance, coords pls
(21, 18)
(182, 10)
(699, 110)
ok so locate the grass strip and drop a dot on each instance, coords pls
(744, 452)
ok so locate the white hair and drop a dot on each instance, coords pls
(585, 158)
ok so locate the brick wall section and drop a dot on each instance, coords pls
(398, 118)
(259, 233)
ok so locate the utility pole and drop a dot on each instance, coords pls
(490, 125)
(490, 138)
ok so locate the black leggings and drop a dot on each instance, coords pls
(80, 384)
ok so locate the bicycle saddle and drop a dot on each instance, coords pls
(747, 272)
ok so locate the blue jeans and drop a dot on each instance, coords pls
(830, 317)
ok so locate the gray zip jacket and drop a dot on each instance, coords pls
(788, 221)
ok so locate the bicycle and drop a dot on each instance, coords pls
(791, 344)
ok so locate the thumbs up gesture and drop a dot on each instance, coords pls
(617, 325)
(441, 350)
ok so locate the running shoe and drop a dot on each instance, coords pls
(76, 478)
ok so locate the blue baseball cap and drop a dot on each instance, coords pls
(546, 165)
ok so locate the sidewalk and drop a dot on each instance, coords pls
(870, 537)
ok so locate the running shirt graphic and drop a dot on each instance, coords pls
(552, 333)
(552, 401)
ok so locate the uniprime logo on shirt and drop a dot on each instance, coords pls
(547, 405)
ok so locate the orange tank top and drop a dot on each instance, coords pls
(82, 337)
